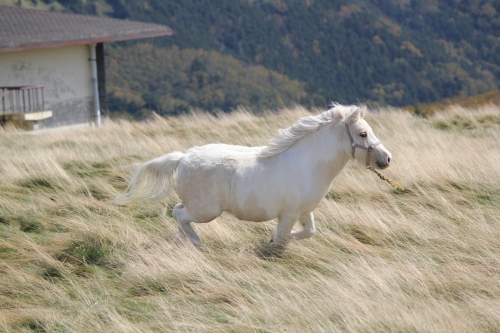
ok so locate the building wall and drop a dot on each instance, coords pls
(66, 74)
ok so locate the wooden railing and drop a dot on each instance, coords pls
(22, 106)
(21, 99)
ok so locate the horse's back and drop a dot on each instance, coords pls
(220, 148)
(217, 157)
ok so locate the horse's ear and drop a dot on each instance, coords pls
(353, 116)
(363, 111)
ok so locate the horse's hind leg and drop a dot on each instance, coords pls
(283, 230)
(184, 220)
(308, 228)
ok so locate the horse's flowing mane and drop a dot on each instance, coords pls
(302, 127)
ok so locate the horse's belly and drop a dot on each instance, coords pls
(252, 209)
(261, 192)
(255, 196)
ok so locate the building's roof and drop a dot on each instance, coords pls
(26, 29)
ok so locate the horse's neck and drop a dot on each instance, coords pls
(324, 151)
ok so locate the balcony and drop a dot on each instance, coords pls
(23, 106)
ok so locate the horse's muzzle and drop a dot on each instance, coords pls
(384, 164)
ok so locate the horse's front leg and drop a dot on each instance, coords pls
(284, 229)
(308, 228)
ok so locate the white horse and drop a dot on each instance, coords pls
(286, 179)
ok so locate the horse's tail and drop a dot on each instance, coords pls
(153, 180)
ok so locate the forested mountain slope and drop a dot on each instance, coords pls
(396, 52)
(146, 78)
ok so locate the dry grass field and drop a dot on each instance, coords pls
(422, 260)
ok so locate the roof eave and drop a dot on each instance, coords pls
(38, 46)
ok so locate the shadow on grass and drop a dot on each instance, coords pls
(270, 251)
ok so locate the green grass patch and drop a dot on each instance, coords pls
(404, 239)
(87, 170)
(64, 144)
(461, 186)
(16, 194)
(118, 181)
(138, 311)
(469, 193)
(466, 124)
(33, 325)
(36, 183)
(398, 191)
(364, 235)
(442, 125)
(29, 224)
(489, 120)
(4, 220)
(489, 197)
(457, 123)
(89, 250)
(147, 215)
(463, 123)
(346, 195)
(150, 286)
(93, 191)
(50, 272)
(7, 252)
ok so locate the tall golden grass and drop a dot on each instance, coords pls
(422, 260)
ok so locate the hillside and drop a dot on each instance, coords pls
(191, 78)
(423, 260)
(384, 52)
(472, 102)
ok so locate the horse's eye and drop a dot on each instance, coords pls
(362, 134)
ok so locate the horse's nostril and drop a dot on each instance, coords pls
(388, 160)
